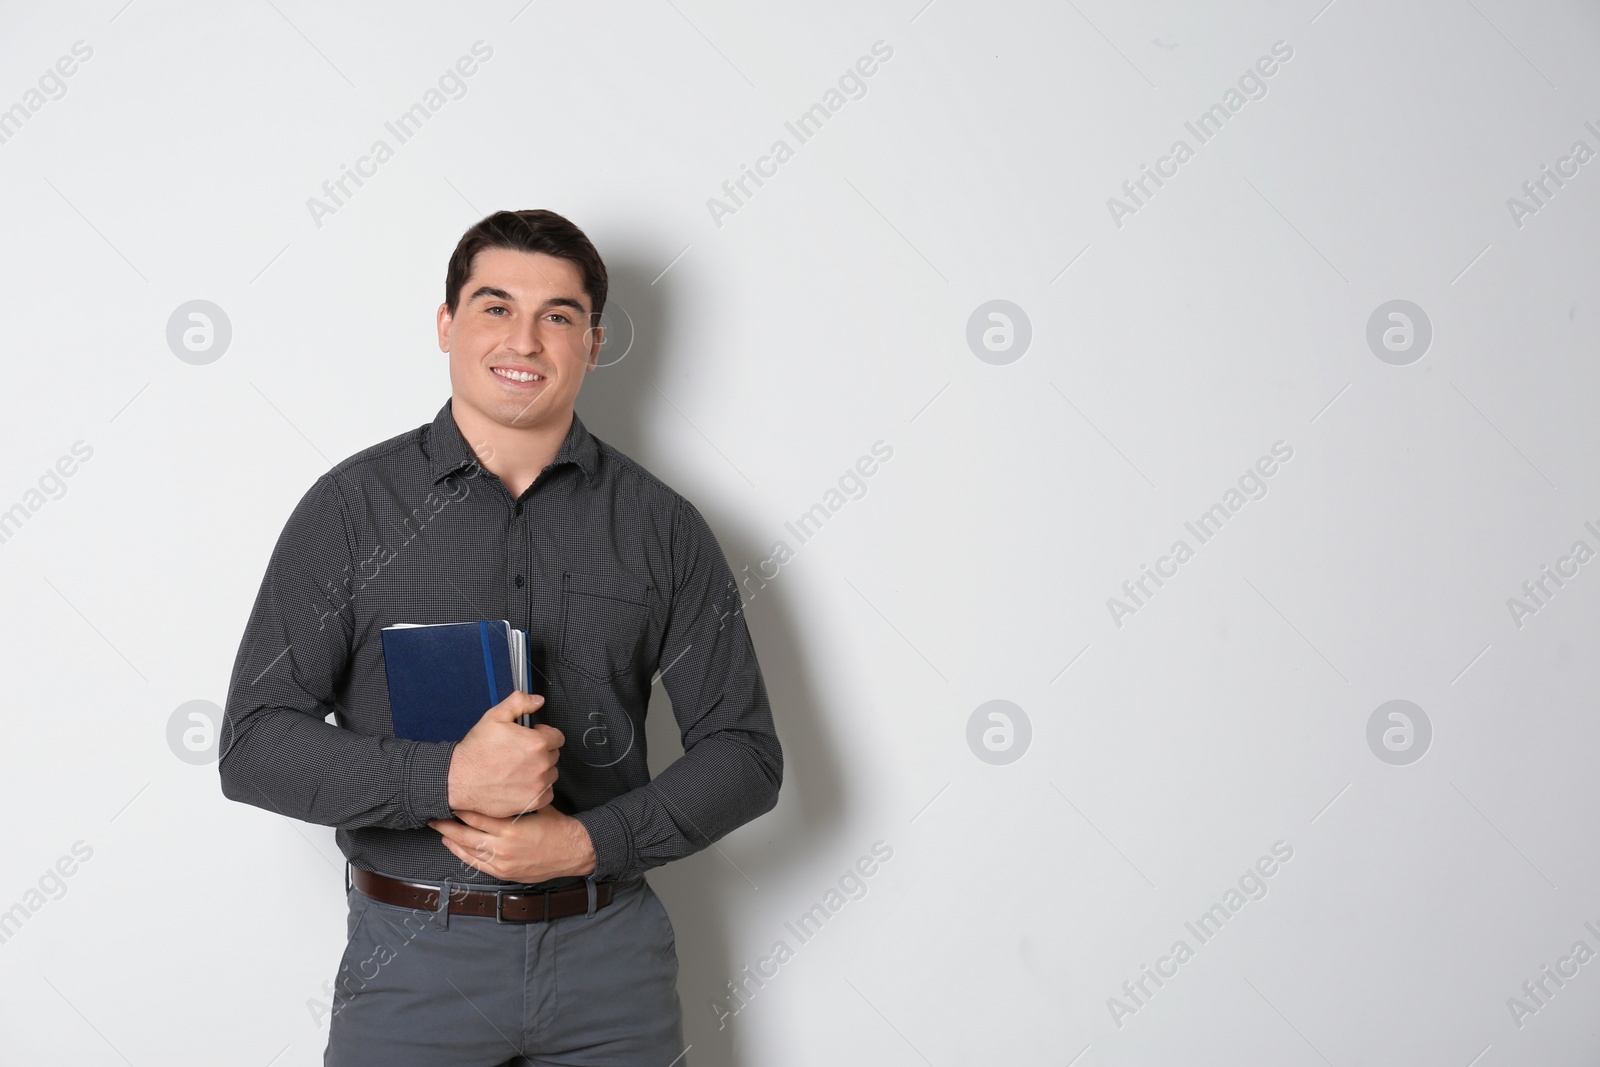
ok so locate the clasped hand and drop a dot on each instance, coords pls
(502, 780)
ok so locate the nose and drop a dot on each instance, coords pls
(525, 339)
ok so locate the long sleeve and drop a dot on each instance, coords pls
(732, 764)
(277, 752)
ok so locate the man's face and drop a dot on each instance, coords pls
(519, 314)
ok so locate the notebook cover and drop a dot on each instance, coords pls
(443, 678)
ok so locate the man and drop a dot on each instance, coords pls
(522, 933)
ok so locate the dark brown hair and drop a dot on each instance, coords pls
(534, 230)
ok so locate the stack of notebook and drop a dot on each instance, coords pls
(443, 676)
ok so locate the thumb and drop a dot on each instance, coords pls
(512, 706)
(477, 820)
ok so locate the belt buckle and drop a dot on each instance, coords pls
(500, 909)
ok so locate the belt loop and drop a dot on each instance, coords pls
(589, 881)
(441, 911)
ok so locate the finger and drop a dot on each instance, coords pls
(466, 856)
(555, 738)
(482, 853)
(479, 821)
(517, 704)
(462, 835)
(538, 804)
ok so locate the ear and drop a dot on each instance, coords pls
(597, 336)
(444, 320)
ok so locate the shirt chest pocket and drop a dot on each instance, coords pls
(603, 622)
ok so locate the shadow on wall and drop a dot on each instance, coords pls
(622, 402)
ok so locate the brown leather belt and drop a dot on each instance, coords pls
(507, 907)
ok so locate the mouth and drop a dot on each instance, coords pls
(518, 376)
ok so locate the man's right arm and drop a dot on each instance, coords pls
(277, 752)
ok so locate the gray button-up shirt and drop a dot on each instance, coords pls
(614, 576)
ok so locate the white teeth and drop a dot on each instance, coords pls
(518, 376)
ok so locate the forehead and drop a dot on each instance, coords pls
(530, 276)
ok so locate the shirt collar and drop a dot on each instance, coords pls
(448, 450)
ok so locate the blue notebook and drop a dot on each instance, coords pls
(443, 676)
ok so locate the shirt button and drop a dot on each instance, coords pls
(519, 581)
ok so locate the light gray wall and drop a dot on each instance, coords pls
(1147, 757)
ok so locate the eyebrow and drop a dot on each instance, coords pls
(493, 293)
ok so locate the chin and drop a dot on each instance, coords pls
(524, 413)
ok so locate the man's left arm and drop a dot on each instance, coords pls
(732, 764)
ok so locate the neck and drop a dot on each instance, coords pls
(514, 454)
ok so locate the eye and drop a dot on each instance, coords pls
(494, 308)
(559, 315)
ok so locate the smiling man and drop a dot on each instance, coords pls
(497, 909)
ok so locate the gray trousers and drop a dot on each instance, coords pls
(424, 988)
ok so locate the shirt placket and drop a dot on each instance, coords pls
(519, 562)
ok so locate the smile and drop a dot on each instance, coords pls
(517, 375)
